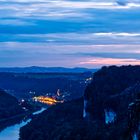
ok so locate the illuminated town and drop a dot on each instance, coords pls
(49, 100)
(46, 100)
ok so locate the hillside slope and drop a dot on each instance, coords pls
(9, 105)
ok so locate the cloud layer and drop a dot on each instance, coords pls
(69, 33)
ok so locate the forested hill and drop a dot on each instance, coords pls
(9, 106)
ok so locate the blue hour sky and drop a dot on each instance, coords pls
(69, 33)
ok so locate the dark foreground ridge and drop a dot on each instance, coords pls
(9, 106)
(10, 110)
(110, 110)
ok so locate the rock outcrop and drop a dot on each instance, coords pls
(134, 119)
(113, 87)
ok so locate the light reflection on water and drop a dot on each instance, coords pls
(12, 132)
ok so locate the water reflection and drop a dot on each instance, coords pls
(12, 132)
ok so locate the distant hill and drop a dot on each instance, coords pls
(35, 69)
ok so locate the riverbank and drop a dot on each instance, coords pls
(13, 120)
(12, 124)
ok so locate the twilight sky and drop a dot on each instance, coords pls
(69, 33)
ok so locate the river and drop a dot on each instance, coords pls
(12, 132)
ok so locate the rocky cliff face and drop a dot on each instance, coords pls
(112, 88)
(134, 119)
(113, 97)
